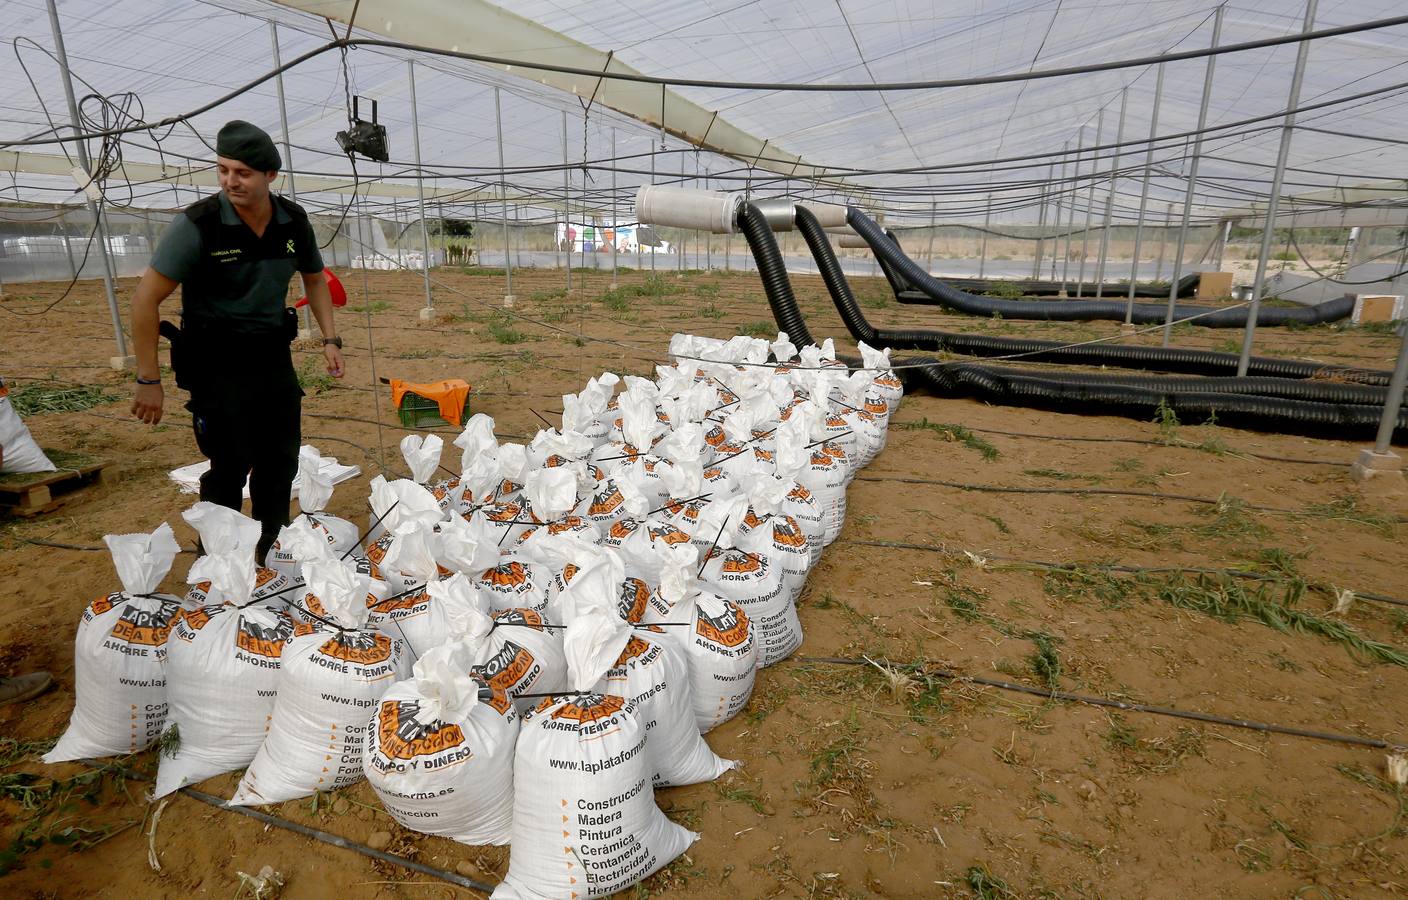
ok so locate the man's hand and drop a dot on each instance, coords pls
(334, 358)
(147, 404)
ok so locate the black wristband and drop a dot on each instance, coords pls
(141, 380)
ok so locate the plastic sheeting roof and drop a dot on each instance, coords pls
(904, 150)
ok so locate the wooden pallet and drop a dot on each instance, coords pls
(41, 492)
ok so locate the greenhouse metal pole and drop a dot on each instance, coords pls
(1090, 202)
(1144, 195)
(684, 235)
(121, 360)
(708, 238)
(68, 246)
(1259, 283)
(1192, 179)
(503, 196)
(656, 246)
(1041, 220)
(288, 159)
(1071, 214)
(567, 203)
(1110, 200)
(933, 226)
(1057, 191)
(615, 218)
(983, 253)
(1394, 402)
(429, 312)
(1222, 245)
(1163, 239)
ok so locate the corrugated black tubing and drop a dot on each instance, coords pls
(1030, 287)
(1340, 410)
(1158, 359)
(1072, 393)
(1078, 310)
(773, 273)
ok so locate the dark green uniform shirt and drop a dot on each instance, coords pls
(230, 278)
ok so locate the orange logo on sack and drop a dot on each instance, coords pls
(668, 533)
(103, 604)
(604, 504)
(764, 455)
(622, 529)
(408, 601)
(261, 641)
(588, 708)
(875, 406)
(729, 628)
(634, 599)
(787, 532)
(715, 437)
(505, 669)
(263, 576)
(822, 459)
(566, 523)
(503, 512)
(197, 618)
(741, 562)
(300, 629)
(751, 520)
(518, 616)
(400, 736)
(800, 493)
(508, 575)
(377, 551)
(634, 647)
(137, 626)
(362, 648)
(569, 572)
(365, 566)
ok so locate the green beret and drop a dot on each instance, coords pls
(249, 144)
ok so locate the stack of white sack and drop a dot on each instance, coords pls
(119, 655)
(223, 657)
(331, 678)
(645, 558)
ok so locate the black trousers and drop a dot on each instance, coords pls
(245, 407)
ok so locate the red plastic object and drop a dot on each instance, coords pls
(339, 293)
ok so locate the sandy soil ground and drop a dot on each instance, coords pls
(856, 783)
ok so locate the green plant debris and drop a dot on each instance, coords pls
(1045, 663)
(953, 433)
(502, 330)
(619, 298)
(1166, 420)
(1153, 756)
(741, 795)
(374, 306)
(997, 521)
(38, 398)
(1348, 509)
(758, 329)
(312, 375)
(1062, 475)
(1006, 290)
(987, 886)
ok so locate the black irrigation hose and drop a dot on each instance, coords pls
(1161, 359)
(1304, 389)
(773, 273)
(1036, 287)
(1069, 394)
(1069, 697)
(1079, 310)
(1114, 567)
(314, 833)
(1186, 445)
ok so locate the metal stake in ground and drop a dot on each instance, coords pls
(1381, 460)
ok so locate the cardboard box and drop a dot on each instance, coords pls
(1214, 285)
(1377, 308)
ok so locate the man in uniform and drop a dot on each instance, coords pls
(233, 254)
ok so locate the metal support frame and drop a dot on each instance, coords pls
(503, 196)
(1090, 201)
(1071, 213)
(1144, 194)
(983, 253)
(288, 158)
(1057, 192)
(615, 218)
(1044, 193)
(1192, 178)
(1110, 199)
(933, 226)
(122, 359)
(420, 193)
(567, 203)
(1287, 128)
